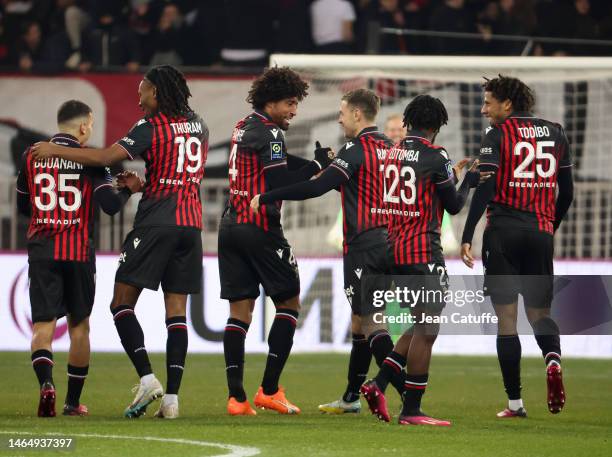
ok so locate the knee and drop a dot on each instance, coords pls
(356, 325)
(242, 311)
(79, 331)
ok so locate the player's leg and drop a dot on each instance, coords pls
(182, 276)
(280, 341)
(79, 294)
(42, 362)
(176, 352)
(46, 299)
(131, 335)
(394, 364)
(241, 315)
(538, 293)
(359, 364)
(417, 372)
(143, 261)
(78, 366)
(240, 286)
(501, 259)
(275, 267)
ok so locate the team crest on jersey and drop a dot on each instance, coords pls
(276, 150)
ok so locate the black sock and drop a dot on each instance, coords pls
(42, 362)
(359, 364)
(381, 346)
(76, 380)
(132, 338)
(547, 335)
(176, 351)
(280, 341)
(233, 348)
(509, 356)
(415, 386)
(392, 368)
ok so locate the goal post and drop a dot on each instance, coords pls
(574, 91)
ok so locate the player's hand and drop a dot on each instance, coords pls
(466, 255)
(323, 155)
(459, 166)
(43, 150)
(255, 203)
(130, 180)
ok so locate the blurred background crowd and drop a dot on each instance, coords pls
(46, 36)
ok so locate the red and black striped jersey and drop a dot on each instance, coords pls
(414, 168)
(526, 153)
(257, 144)
(361, 159)
(62, 208)
(174, 151)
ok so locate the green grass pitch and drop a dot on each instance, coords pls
(466, 390)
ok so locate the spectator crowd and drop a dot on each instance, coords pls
(46, 36)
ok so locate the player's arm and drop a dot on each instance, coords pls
(277, 169)
(86, 156)
(565, 184)
(110, 200)
(454, 199)
(23, 190)
(485, 192)
(138, 140)
(331, 178)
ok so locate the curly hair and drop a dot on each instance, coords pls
(507, 88)
(425, 112)
(172, 90)
(276, 84)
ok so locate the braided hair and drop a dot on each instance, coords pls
(506, 88)
(425, 112)
(172, 90)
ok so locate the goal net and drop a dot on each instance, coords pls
(576, 92)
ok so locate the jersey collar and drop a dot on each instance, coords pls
(522, 115)
(263, 115)
(418, 134)
(65, 139)
(368, 130)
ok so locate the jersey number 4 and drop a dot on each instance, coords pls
(538, 154)
(48, 184)
(233, 171)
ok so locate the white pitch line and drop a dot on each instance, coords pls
(236, 451)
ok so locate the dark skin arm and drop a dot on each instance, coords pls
(86, 156)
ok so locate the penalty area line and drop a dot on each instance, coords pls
(235, 450)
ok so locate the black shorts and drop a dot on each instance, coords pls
(171, 256)
(59, 288)
(518, 261)
(429, 278)
(250, 256)
(365, 271)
